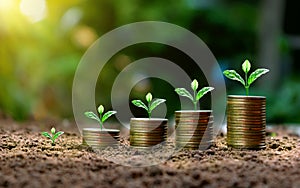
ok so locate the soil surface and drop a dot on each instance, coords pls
(28, 160)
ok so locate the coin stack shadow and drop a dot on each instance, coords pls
(194, 129)
(100, 139)
(246, 122)
(145, 132)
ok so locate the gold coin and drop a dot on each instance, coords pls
(204, 112)
(148, 128)
(242, 97)
(143, 144)
(148, 138)
(148, 122)
(148, 134)
(96, 137)
(191, 130)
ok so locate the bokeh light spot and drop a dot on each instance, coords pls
(84, 36)
(35, 10)
(6, 5)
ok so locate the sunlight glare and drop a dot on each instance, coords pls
(5, 5)
(35, 10)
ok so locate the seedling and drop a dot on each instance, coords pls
(102, 117)
(196, 95)
(152, 104)
(53, 135)
(233, 75)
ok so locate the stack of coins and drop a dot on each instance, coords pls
(246, 122)
(194, 129)
(99, 139)
(146, 132)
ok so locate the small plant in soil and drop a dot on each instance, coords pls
(233, 75)
(151, 104)
(196, 95)
(102, 117)
(53, 136)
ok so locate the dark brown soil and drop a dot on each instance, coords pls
(29, 160)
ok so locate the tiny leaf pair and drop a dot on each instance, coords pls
(152, 104)
(233, 75)
(102, 117)
(53, 136)
(196, 95)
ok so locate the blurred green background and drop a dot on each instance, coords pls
(42, 41)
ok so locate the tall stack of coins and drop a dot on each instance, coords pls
(99, 139)
(194, 129)
(246, 121)
(146, 132)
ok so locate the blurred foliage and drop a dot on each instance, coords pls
(285, 103)
(38, 59)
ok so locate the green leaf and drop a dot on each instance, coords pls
(233, 75)
(140, 104)
(149, 97)
(246, 66)
(57, 135)
(101, 109)
(47, 135)
(92, 115)
(52, 130)
(107, 115)
(155, 103)
(203, 91)
(194, 85)
(256, 74)
(183, 92)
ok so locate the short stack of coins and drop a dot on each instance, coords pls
(145, 132)
(246, 122)
(194, 129)
(100, 139)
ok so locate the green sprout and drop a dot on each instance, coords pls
(102, 117)
(233, 75)
(151, 104)
(53, 135)
(196, 95)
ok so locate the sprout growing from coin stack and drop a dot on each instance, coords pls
(100, 138)
(233, 75)
(196, 95)
(246, 115)
(148, 132)
(102, 117)
(152, 104)
(194, 127)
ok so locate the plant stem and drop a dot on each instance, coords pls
(195, 102)
(246, 84)
(247, 90)
(100, 122)
(149, 112)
